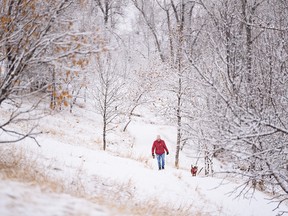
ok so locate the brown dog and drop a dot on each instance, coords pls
(194, 170)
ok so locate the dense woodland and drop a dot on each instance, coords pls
(215, 69)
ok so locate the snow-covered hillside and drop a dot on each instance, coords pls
(72, 175)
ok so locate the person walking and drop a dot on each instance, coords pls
(159, 147)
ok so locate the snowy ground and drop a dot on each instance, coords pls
(25, 199)
(98, 183)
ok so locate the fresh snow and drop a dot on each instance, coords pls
(24, 199)
(71, 153)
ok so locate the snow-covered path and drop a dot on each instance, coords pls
(119, 176)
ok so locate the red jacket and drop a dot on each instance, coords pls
(159, 147)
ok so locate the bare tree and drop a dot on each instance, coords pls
(245, 98)
(142, 83)
(34, 37)
(110, 9)
(108, 92)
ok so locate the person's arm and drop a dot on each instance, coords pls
(153, 149)
(165, 147)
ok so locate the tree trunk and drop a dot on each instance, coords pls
(178, 126)
(179, 68)
(104, 133)
(53, 91)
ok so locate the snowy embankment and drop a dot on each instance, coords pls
(124, 180)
